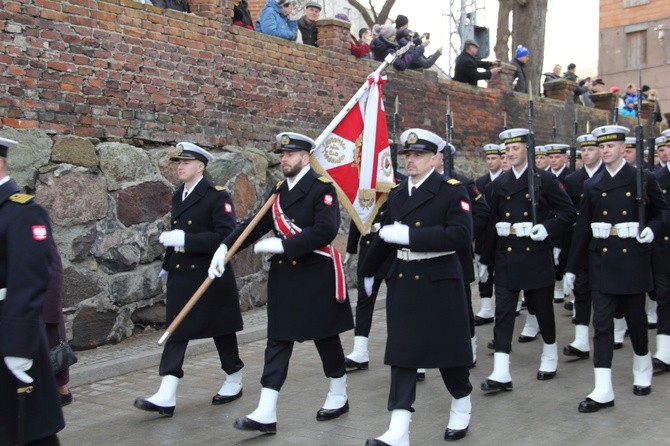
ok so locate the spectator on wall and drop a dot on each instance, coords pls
(385, 44)
(278, 19)
(571, 75)
(521, 56)
(467, 65)
(358, 48)
(241, 14)
(628, 109)
(177, 5)
(307, 23)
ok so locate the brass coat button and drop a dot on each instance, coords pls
(399, 275)
(604, 212)
(367, 242)
(279, 261)
(417, 277)
(509, 198)
(624, 213)
(417, 224)
(509, 249)
(525, 214)
(527, 248)
(628, 194)
(604, 249)
(192, 266)
(190, 222)
(624, 250)
(177, 265)
(527, 195)
(294, 263)
(174, 222)
(507, 214)
(604, 194)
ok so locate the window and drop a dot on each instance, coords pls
(636, 49)
(631, 3)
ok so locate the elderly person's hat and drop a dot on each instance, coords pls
(313, 5)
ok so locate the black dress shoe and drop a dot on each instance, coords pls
(618, 345)
(482, 320)
(455, 434)
(660, 366)
(559, 301)
(494, 386)
(247, 424)
(375, 442)
(650, 325)
(329, 414)
(569, 350)
(420, 376)
(350, 364)
(568, 305)
(589, 406)
(641, 390)
(151, 407)
(545, 376)
(65, 399)
(524, 338)
(223, 399)
(491, 345)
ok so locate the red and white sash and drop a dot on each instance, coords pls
(287, 229)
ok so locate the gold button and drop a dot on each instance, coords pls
(604, 249)
(177, 265)
(624, 250)
(507, 214)
(399, 275)
(527, 248)
(624, 213)
(367, 242)
(279, 262)
(174, 222)
(192, 266)
(666, 238)
(381, 213)
(190, 222)
(527, 195)
(581, 195)
(417, 224)
(293, 220)
(417, 277)
(665, 191)
(509, 249)
(628, 194)
(509, 198)
(604, 194)
(604, 212)
(294, 262)
(525, 214)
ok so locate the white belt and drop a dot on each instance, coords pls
(407, 255)
(3, 293)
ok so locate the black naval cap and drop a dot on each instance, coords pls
(419, 140)
(5, 145)
(189, 151)
(292, 142)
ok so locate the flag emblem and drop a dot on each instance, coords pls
(327, 199)
(39, 233)
(228, 208)
(465, 206)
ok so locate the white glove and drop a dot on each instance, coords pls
(557, 252)
(538, 233)
(218, 263)
(19, 367)
(569, 282)
(271, 245)
(367, 284)
(162, 276)
(174, 238)
(483, 272)
(397, 233)
(347, 257)
(646, 236)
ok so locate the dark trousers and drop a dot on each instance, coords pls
(278, 354)
(582, 298)
(662, 291)
(540, 302)
(486, 288)
(604, 308)
(471, 313)
(365, 306)
(51, 440)
(172, 359)
(403, 385)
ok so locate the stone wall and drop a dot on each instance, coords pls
(99, 91)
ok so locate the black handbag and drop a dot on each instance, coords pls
(62, 357)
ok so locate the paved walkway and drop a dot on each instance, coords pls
(107, 380)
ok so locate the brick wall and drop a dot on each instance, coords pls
(613, 13)
(119, 70)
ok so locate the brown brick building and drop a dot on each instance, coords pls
(630, 44)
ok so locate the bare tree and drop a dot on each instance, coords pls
(370, 14)
(528, 29)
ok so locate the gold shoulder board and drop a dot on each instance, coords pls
(21, 198)
(324, 179)
(453, 182)
(280, 183)
(219, 188)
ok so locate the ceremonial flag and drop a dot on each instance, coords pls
(354, 152)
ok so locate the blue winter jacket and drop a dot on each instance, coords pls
(273, 23)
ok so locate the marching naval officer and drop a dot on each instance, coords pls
(523, 256)
(306, 287)
(619, 261)
(202, 216)
(427, 222)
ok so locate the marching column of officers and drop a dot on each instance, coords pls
(586, 230)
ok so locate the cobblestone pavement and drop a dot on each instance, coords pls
(533, 413)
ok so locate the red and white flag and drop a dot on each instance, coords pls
(357, 157)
